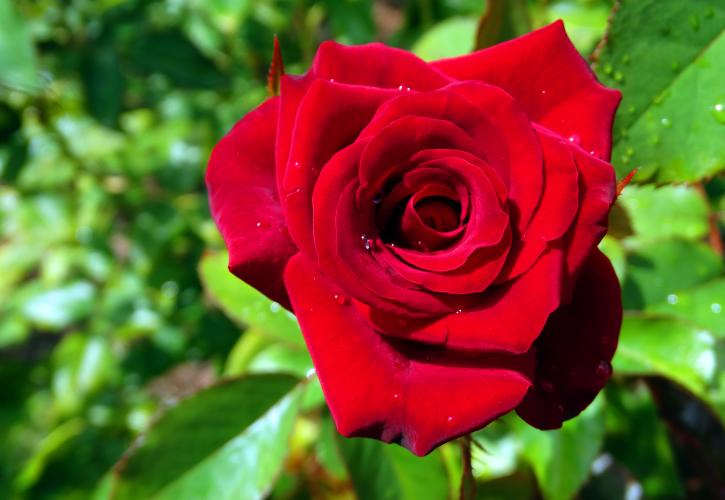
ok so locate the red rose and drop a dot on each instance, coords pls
(434, 227)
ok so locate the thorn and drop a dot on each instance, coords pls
(624, 182)
(276, 70)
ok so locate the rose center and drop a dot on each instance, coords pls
(439, 213)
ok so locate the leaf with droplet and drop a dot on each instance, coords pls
(655, 270)
(226, 442)
(666, 57)
(663, 345)
(276, 70)
(703, 305)
(244, 304)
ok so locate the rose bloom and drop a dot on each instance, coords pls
(434, 227)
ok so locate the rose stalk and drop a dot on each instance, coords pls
(434, 228)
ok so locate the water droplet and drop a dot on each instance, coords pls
(608, 69)
(618, 76)
(666, 122)
(396, 396)
(459, 311)
(655, 139)
(629, 151)
(310, 373)
(378, 198)
(547, 386)
(340, 299)
(672, 299)
(694, 22)
(716, 308)
(575, 139)
(631, 109)
(604, 369)
(675, 65)
(403, 87)
(263, 224)
(450, 419)
(368, 244)
(332, 80)
(718, 110)
(543, 92)
(275, 307)
(593, 153)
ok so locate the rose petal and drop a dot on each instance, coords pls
(506, 318)
(375, 65)
(576, 348)
(244, 204)
(556, 210)
(415, 395)
(329, 118)
(547, 76)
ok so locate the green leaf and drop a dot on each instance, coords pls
(612, 248)
(382, 471)
(17, 57)
(638, 440)
(661, 345)
(666, 212)
(60, 307)
(654, 271)
(702, 305)
(226, 442)
(452, 37)
(666, 56)
(82, 365)
(562, 458)
(244, 304)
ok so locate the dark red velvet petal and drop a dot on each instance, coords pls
(243, 197)
(329, 118)
(415, 395)
(547, 76)
(575, 351)
(375, 65)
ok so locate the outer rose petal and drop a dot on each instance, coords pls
(552, 82)
(576, 348)
(415, 395)
(243, 198)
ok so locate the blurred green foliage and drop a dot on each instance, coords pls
(115, 302)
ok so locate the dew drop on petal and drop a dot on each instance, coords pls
(450, 419)
(575, 139)
(604, 369)
(263, 224)
(340, 299)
